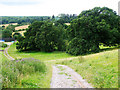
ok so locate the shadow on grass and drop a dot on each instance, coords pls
(37, 51)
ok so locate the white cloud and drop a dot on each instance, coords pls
(50, 7)
(20, 2)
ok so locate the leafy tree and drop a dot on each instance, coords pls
(16, 35)
(66, 18)
(42, 36)
(92, 27)
(7, 32)
(53, 17)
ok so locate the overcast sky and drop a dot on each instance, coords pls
(50, 7)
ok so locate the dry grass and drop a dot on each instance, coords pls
(21, 27)
(6, 25)
(21, 32)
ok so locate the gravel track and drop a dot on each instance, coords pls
(65, 77)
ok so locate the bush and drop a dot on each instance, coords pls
(77, 47)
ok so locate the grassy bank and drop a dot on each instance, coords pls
(43, 56)
(2, 58)
(101, 69)
(27, 73)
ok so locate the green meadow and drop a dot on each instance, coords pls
(43, 56)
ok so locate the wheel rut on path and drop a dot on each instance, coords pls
(6, 53)
(65, 77)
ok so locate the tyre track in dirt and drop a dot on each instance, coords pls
(6, 52)
(65, 77)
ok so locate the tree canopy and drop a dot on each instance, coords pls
(7, 32)
(84, 34)
(92, 27)
(42, 36)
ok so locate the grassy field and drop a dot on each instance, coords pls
(101, 69)
(21, 27)
(25, 74)
(37, 80)
(37, 55)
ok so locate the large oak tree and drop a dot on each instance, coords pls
(92, 27)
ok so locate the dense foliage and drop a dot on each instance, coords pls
(84, 34)
(7, 31)
(42, 36)
(92, 27)
(66, 18)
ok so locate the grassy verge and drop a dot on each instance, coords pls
(2, 58)
(101, 70)
(37, 55)
(25, 74)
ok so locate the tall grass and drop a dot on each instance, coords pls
(13, 72)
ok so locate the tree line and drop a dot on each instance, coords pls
(23, 19)
(84, 34)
